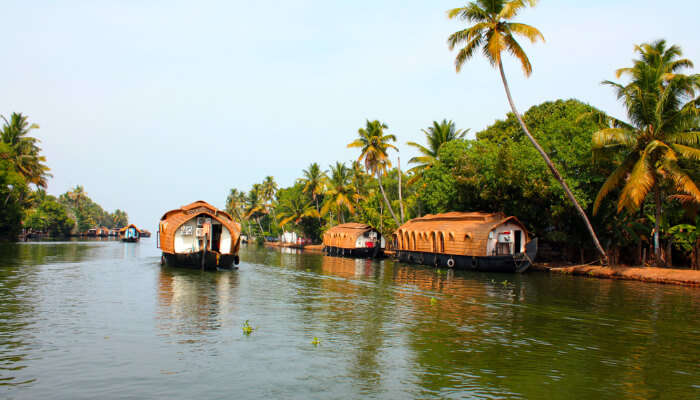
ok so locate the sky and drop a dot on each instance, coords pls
(151, 105)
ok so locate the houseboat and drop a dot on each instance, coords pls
(103, 231)
(130, 234)
(353, 240)
(466, 240)
(199, 235)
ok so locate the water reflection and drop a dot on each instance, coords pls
(192, 303)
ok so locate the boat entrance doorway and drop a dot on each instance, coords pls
(518, 242)
(216, 236)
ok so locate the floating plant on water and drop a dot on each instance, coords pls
(316, 341)
(247, 329)
(433, 301)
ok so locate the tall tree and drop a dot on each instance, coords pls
(235, 204)
(313, 182)
(340, 192)
(663, 110)
(256, 205)
(436, 135)
(375, 145)
(25, 152)
(493, 33)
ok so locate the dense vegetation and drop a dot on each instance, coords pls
(25, 203)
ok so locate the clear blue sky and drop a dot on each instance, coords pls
(154, 104)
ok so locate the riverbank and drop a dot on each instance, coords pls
(686, 277)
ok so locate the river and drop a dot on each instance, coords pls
(103, 319)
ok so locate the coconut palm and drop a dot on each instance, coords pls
(313, 182)
(235, 204)
(436, 135)
(294, 208)
(375, 146)
(493, 32)
(25, 150)
(256, 206)
(340, 191)
(664, 129)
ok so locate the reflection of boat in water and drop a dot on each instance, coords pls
(130, 234)
(348, 267)
(199, 235)
(353, 240)
(192, 303)
(477, 241)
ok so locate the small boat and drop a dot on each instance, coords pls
(130, 234)
(145, 233)
(466, 240)
(353, 240)
(199, 235)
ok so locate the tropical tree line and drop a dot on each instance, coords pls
(23, 180)
(634, 182)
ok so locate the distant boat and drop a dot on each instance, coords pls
(466, 240)
(353, 240)
(145, 233)
(199, 235)
(130, 234)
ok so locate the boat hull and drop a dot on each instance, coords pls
(130, 240)
(212, 261)
(508, 263)
(373, 252)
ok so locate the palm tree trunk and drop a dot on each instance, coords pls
(400, 196)
(552, 168)
(657, 226)
(262, 231)
(388, 205)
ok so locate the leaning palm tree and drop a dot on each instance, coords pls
(664, 129)
(25, 150)
(436, 135)
(493, 33)
(340, 192)
(375, 146)
(313, 182)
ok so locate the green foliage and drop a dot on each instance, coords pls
(13, 191)
(49, 216)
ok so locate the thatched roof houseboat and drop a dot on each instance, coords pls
(353, 240)
(130, 233)
(199, 235)
(466, 240)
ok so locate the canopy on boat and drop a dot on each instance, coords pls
(345, 235)
(459, 233)
(173, 219)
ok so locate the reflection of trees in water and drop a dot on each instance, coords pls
(361, 312)
(539, 335)
(18, 296)
(193, 302)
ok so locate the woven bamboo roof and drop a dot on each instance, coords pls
(173, 219)
(451, 233)
(129, 226)
(345, 235)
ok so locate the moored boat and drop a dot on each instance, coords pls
(199, 235)
(466, 240)
(353, 240)
(130, 234)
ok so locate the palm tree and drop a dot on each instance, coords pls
(25, 150)
(436, 135)
(492, 32)
(256, 205)
(294, 208)
(375, 146)
(340, 191)
(235, 204)
(664, 129)
(313, 182)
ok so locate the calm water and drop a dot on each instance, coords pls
(89, 320)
